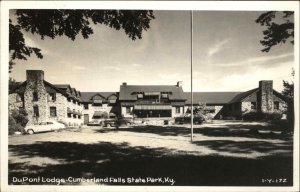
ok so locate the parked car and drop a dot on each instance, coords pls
(44, 126)
(96, 122)
(114, 122)
(187, 119)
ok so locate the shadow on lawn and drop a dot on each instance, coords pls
(231, 130)
(106, 159)
(248, 147)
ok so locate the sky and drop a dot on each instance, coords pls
(226, 55)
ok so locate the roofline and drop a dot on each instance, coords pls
(14, 91)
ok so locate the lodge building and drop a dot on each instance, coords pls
(45, 101)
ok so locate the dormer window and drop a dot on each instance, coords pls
(97, 102)
(140, 96)
(164, 95)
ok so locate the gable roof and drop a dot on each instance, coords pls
(62, 86)
(87, 96)
(47, 84)
(73, 92)
(210, 97)
(242, 95)
(20, 88)
(126, 91)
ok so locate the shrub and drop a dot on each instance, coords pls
(260, 116)
(20, 116)
(13, 126)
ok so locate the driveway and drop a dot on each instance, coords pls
(222, 153)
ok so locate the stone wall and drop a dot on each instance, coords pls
(282, 104)
(14, 101)
(61, 107)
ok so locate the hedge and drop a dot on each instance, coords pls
(260, 116)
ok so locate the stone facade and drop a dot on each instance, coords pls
(15, 101)
(264, 99)
(44, 101)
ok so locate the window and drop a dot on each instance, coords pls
(49, 123)
(177, 109)
(86, 106)
(18, 98)
(35, 96)
(53, 96)
(52, 111)
(276, 105)
(140, 96)
(128, 110)
(36, 111)
(253, 105)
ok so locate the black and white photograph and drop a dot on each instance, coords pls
(99, 96)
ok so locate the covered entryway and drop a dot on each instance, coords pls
(148, 111)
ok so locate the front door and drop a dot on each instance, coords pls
(86, 119)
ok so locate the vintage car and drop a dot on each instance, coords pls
(96, 122)
(187, 120)
(115, 122)
(44, 126)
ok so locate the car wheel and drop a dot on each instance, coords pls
(108, 125)
(128, 124)
(30, 131)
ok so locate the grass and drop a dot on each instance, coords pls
(222, 155)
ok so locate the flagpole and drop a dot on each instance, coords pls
(192, 111)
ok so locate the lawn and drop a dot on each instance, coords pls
(225, 153)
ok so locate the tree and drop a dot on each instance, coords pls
(280, 29)
(70, 23)
(288, 92)
(13, 84)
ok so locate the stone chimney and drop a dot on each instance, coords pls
(34, 77)
(266, 96)
(179, 84)
(124, 83)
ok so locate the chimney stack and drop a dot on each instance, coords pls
(266, 96)
(179, 84)
(34, 77)
(124, 84)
